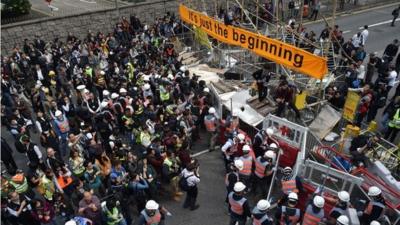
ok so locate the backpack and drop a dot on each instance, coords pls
(183, 183)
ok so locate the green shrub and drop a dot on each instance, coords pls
(15, 8)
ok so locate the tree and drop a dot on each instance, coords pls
(12, 8)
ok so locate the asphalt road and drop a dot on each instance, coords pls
(67, 7)
(378, 20)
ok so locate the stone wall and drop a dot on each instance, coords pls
(104, 20)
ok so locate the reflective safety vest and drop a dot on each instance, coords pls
(20, 187)
(164, 94)
(311, 218)
(154, 220)
(145, 139)
(63, 125)
(260, 167)
(209, 123)
(236, 206)
(371, 205)
(227, 178)
(395, 122)
(46, 188)
(289, 186)
(247, 165)
(262, 219)
(113, 216)
(139, 111)
(64, 181)
(289, 220)
(131, 71)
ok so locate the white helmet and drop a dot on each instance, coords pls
(269, 154)
(70, 222)
(241, 137)
(206, 90)
(374, 222)
(106, 93)
(238, 164)
(183, 68)
(263, 205)
(81, 87)
(239, 187)
(103, 104)
(319, 201)
(122, 90)
(270, 131)
(170, 76)
(58, 113)
(114, 95)
(146, 78)
(293, 196)
(211, 110)
(102, 72)
(273, 145)
(374, 191)
(343, 220)
(152, 205)
(287, 170)
(246, 148)
(146, 86)
(344, 196)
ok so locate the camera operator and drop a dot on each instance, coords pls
(359, 146)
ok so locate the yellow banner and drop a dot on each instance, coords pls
(201, 37)
(274, 50)
(350, 106)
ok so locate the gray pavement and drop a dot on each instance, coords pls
(380, 31)
(68, 7)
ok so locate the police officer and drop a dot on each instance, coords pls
(340, 208)
(262, 171)
(289, 214)
(315, 211)
(238, 205)
(260, 215)
(246, 172)
(258, 143)
(375, 207)
(211, 122)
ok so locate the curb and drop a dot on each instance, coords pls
(357, 11)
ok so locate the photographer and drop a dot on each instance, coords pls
(191, 174)
(359, 146)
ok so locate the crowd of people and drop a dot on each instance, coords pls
(103, 121)
(108, 121)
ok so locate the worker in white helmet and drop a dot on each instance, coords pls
(245, 174)
(290, 183)
(232, 123)
(375, 207)
(374, 222)
(232, 176)
(314, 211)
(211, 124)
(78, 220)
(238, 205)
(341, 207)
(264, 169)
(236, 149)
(152, 214)
(343, 220)
(260, 213)
(62, 129)
(289, 214)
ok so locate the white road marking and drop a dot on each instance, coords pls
(346, 31)
(200, 153)
(378, 24)
(89, 1)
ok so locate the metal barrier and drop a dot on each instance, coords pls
(216, 100)
(332, 179)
